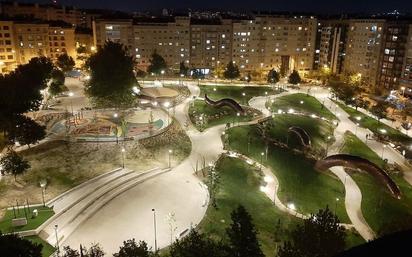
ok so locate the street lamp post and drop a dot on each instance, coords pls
(57, 240)
(383, 150)
(170, 153)
(261, 159)
(71, 94)
(117, 136)
(336, 204)
(155, 232)
(123, 151)
(167, 105)
(43, 184)
(403, 91)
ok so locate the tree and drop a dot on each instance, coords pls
(95, 251)
(320, 236)
(69, 252)
(57, 89)
(294, 77)
(58, 76)
(379, 110)
(231, 72)
(183, 69)
(273, 76)
(132, 249)
(248, 77)
(242, 235)
(196, 245)
(157, 64)
(13, 164)
(12, 245)
(65, 62)
(27, 131)
(112, 78)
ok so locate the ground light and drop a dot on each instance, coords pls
(292, 206)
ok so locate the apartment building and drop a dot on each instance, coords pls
(332, 45)
(393, 53)
(247, 51)
(210, 43)
(363, 48)
(169, 37)
(288, 43)
(8, 60)
(46, 12)
(31, 40)
(406, 77)
(61, 40)
(115, 30)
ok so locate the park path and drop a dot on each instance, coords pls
(353, 195)
(178, 193)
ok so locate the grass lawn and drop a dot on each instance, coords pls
(302, 103)
(216, 116)
(47, 250)
(374, 125)
(234, 175)
(379, 208)
(318, 130)
(32, 223)
(300, 183)
(235, 92)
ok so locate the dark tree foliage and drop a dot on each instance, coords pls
(231, 71)
(26, 131)
(380, 110)
(57, 88)
(15, 246)
(132, 249)
(157, 64)
(13, 164)
(183, 69)
(69, 252)
(319, 236)
(65, 62)
(94, 251)
(21, 91)
(58, 76)
(112, 77)
(273, 76)
(294, 77)
(344, 91)
(242, 235)
(196, 245)
(140, 73)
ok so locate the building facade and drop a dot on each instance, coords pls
(8, 59)
(363, 48)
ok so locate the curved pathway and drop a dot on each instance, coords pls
(353, 195)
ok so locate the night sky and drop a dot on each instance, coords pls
(316, 6)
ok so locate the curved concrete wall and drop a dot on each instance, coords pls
(357, 162)
(225, 102)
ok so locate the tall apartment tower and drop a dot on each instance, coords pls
(363, 48)
(406, 77)
(332, 45)
(393, 54)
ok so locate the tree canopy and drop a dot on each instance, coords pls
(231, 72)
(319, 236)
(157, 64)
(294, 77)
(13, 164)
(112, 78)
(12, 245)
(196, 245)
(132, 249)
(183, 69)
(65, 62)
(273, 76)
(242, 235)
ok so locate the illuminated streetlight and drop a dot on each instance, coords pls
(57, 239)
(292, 206)
(123, 152)
(155, 232)
(336, 204)
(170, 153)
(71, 94)
(43, 184)
(383, 150)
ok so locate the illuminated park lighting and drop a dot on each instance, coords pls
(263, 189)
(268, 179)
(291, 111)
(292, 206)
